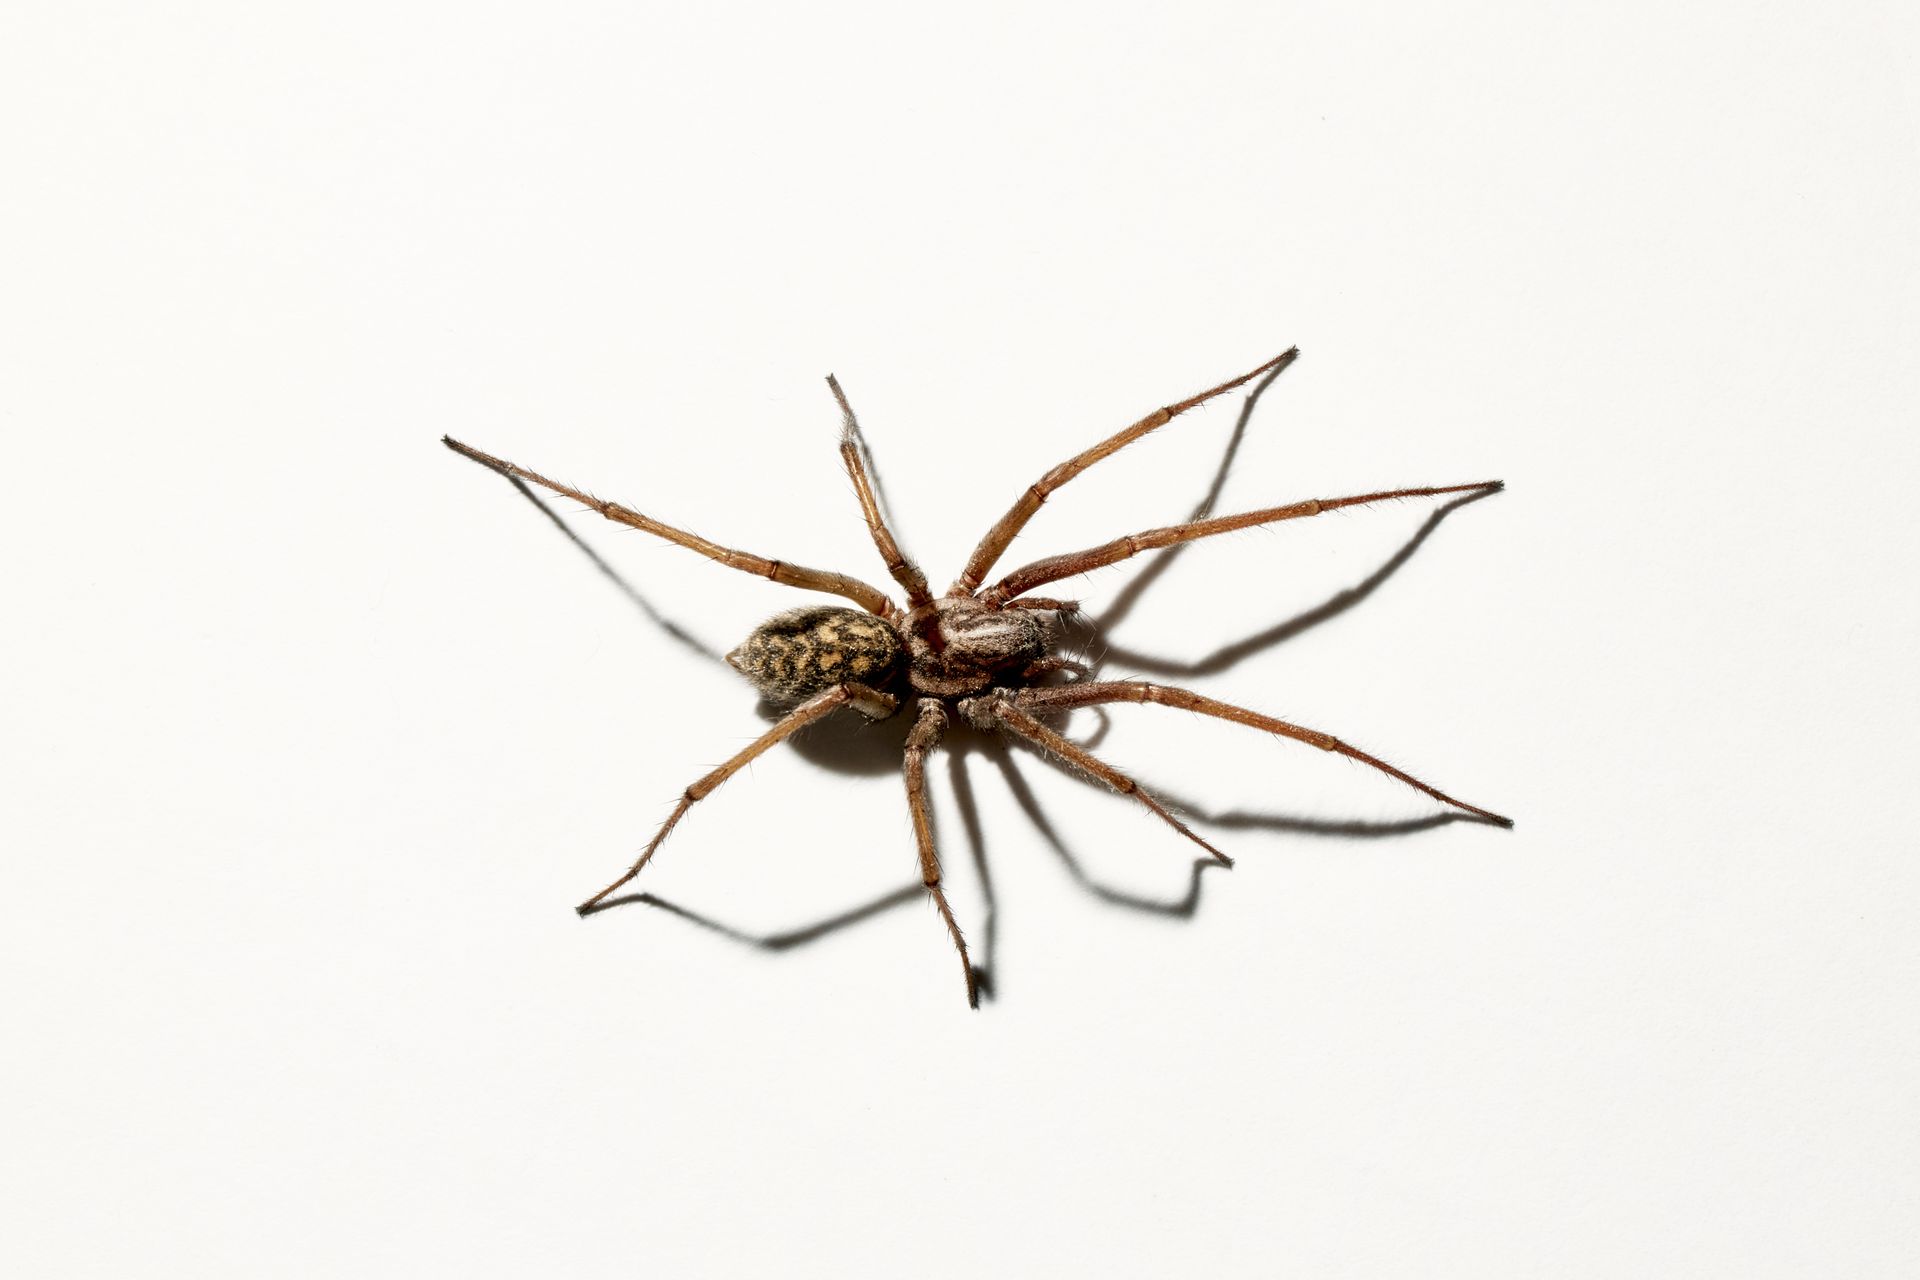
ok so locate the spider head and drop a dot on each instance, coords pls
(970, 643)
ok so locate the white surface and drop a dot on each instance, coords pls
(316, 732)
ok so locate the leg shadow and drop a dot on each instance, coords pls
(1228, 656)
(785, 940)
(1128, 596)
(1349, 829)
(1023, 796)
(962, 783)
(680, 635)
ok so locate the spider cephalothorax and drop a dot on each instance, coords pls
(962, 646)
(982, 651)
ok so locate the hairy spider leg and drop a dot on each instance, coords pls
(1054, 568)
(853, 449)
(1008, 715)
(1009, 525)
(1047, 666)
(1067, 697)
(921, 740)
(867, 597)
(870, 702)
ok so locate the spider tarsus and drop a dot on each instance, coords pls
(594, 905)
(849, 425)
(486, 460)
(1187, 831)
(1474, 813)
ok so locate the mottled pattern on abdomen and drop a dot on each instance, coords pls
(794, 655)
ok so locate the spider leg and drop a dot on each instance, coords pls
(853, 449)
(869, 702)
(1001, 712)
(1054, 568)
(1066, 697)
(1046, 666)
(921, 740)
(1009, 526)
(867, 597)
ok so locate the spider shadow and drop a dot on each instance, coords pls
(853, 745)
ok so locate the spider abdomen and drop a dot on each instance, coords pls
(794, 655)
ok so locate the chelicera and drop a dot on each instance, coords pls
(983, 651)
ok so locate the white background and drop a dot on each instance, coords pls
(315, 732)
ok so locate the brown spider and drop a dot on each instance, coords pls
(983, 652)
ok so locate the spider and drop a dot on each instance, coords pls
(983, 651)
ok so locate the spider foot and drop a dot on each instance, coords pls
(981, 988)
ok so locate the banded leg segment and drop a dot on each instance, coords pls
(1010, 715)
(869, 702)
(921, 740)
(853, 452)
(1054, 568)
(1009, 526)
(867, 597)
(1067, 697)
